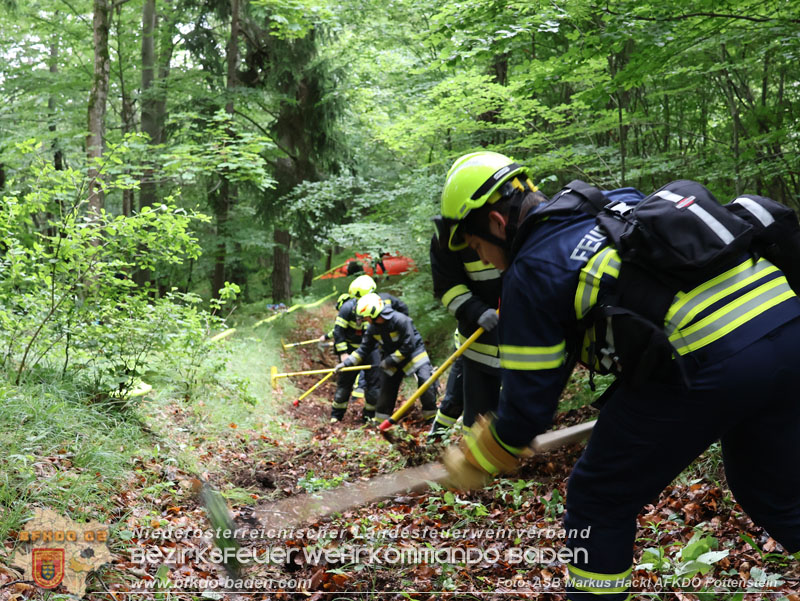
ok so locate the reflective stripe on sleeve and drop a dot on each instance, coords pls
(341, 347)
(478, 271)
(533, 357)
(415, 363)
(398, 356)
(455, 297)
(341, 322)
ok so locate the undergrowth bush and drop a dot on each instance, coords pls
(68, 300)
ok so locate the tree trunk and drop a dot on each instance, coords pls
(308, 277)
(227, 194)
(147, 194)
(58, 155)
(281, 276)
(97, 104)
(127, 112)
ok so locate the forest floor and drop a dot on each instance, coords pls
(693, 541)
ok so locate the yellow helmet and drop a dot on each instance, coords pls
(362, 286)
(474, 180)
(369, 305)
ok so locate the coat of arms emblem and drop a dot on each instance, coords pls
(48, 567)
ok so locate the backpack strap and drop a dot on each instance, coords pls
(575, 197)
(593, 198)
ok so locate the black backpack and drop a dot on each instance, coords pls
(674, 239)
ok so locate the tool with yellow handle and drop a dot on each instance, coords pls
(405, 407)
(312, 389)
(274, 375)
(302, 343)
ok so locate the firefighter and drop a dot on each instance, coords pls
(347, 332)
(345, 296)
(740, 385)
(470, 290)
(402, 354)
(364, 284)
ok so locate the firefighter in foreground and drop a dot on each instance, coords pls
(742, 375)
(402, 354)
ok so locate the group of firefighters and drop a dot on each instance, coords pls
(737, 383)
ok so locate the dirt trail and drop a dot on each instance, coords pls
(511, 515)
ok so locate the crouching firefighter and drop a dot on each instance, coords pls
(347, 333)
(699, 326)
(402, 354)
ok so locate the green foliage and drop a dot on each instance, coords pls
(697, 557)
(67, 298)
(311, 483)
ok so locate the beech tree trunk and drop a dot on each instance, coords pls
(98, 98)
(281, 275)
(227, 193)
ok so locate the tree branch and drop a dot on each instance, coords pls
(700, 14)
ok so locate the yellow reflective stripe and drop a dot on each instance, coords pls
(595, 582)
(455, 297)
(477, 266)
(341, 322)
(487, 465)
(415, 363)
(356, 358)
(510, 449)
(445, 420)
(398, 355)
(689, 304)
(533, 357)
(478, 271)
(341, 346)
(486, 349)
(358, 393)
(726, 319)
(604, 262)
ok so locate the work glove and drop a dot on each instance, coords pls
(478, 458)
(346, 363)
(387, 365)
(488, 319)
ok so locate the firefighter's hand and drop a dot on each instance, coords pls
(323, 338)
(387, 365)
(346, 362)
(488, 319)
(478, 458)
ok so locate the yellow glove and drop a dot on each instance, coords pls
(478, 458)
